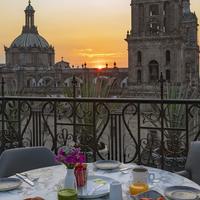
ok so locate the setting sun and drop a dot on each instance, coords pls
(99, 67)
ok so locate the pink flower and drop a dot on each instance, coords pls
(70, 156)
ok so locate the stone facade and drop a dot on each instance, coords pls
(163, 38)
(53, 81)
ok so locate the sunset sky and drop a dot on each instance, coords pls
(90, 31)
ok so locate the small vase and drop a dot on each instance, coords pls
(70, 180)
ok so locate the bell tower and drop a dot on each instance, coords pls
(155, 42)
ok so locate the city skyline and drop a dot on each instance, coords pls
(81, 31)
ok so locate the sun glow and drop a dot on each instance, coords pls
(99, 67)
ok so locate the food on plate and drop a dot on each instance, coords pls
(146, 199)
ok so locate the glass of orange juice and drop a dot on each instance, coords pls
(136, 188)
(139, 181)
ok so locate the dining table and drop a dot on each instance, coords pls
(50, 179)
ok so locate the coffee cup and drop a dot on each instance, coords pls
(140, 175)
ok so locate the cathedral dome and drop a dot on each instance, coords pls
(30, 49)
(30, 40)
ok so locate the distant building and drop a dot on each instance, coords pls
(30, 49)
(163, 38)
(30, 67)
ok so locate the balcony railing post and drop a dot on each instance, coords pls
(74, 84)
(19, 124)
(139, 135)
(162, 135)
(3, 114)
(94, 132)
(162, 114)
(55, 126)
(187, 127)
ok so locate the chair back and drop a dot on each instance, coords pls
(18, 160)
(193, 162)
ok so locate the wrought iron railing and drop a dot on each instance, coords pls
(149, 132)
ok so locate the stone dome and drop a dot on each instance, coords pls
(30, 40)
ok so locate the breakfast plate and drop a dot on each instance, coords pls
(7, 184)
(97, 186)
(182, 193)
(107, 164)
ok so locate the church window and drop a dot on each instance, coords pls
(168, 57)
(154, 28)
(139, 76)
(168, 75)
(165, 24)
(153, 10)
(35, 58)
(28, 83)
(153, 71)
(187, 68)
(139, 57)
(47, 82)
(123, 85)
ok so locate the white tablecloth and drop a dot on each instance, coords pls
(50, 179)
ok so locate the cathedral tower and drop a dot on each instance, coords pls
(163, 38)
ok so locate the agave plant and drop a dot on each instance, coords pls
(175, 117)
(92, 87)
(175, 114)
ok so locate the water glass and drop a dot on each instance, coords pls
(116, 191)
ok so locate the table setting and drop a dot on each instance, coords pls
(101, 180)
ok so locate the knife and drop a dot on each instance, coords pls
(127, 168)
(25, 179)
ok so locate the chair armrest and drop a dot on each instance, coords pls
(184, 173)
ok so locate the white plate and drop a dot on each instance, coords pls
(107, 164)
(97, 186)
(182, 193)
(7, 184)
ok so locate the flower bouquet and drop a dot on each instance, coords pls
(74, 160)
(70, 156)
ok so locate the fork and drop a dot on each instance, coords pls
(28, 176)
